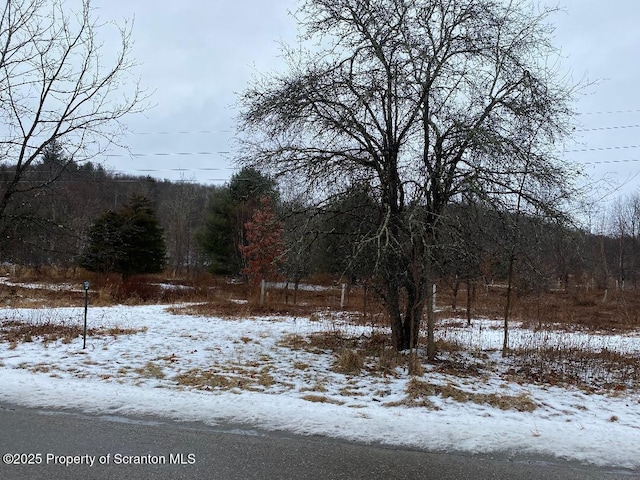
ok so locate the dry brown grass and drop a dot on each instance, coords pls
(577, 366)
(577, 307)
(388, 360)
(62, 287)
(316, 387)
(349, 362)
(321, 399)
(218, 297)
(150, 370)
(15, 332)
(319, 342)
(418, 392)
(15, 296)
(414, 365)
(355, 355)
(204, 380)
(228, 377)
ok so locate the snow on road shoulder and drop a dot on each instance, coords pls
(246, 371)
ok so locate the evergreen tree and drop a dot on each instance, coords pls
(53, 158)
(218, 236)
(230, 208)
(129, 241)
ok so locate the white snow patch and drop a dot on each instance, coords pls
(137, 374)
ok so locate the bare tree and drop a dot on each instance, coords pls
(424, 101)
(623, 225)
(58, 85)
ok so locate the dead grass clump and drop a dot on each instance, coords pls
(459, 367)
(265, 379)
(150, 370)
(318, 342)
(317, 387)
(203, 379)
(116, 331)
(447, 346)
(349, 362)
(375, 344)
(521, 403)
(216, 307)
(387, 361)
(414, 365)
(321, 399)
(40, 368)
(293, 341)
(330, 341)
(418, 392)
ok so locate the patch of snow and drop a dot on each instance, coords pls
(139, 373)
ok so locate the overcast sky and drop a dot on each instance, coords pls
(197, 54)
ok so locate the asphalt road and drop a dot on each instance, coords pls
(46, 444)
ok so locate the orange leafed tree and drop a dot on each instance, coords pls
(263, 252)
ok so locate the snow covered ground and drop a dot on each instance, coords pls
(253, 371)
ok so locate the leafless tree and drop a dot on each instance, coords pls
(424, 101)
(61, 82)
(624, 221)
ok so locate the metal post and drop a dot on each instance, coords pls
(86, 306)
(262, 285)
(344, 286)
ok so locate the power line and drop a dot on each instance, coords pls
(610, 112)
(181, 132)
(208, 132)
(600, 162)
(601, 149)
(618, 127)
(212, 169)
(165, 154)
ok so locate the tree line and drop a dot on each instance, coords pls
(207, 228)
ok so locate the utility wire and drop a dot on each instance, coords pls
(619, 127)
(600, 149)
(600, 162)
(610, 112)
(164, 154)
(181, 132)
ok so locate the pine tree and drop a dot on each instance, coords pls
(230, 208)
(129, 241)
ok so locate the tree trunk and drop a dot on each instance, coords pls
(405, 306)
(286, 292)
(414, 310)
(399, 339)
(469, 297)
(455, 287)
(505, 338)
(431, 322)
(365, 300)
(295, 291)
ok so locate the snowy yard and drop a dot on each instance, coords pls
(270, 373)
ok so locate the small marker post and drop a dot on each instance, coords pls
(86, 305)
